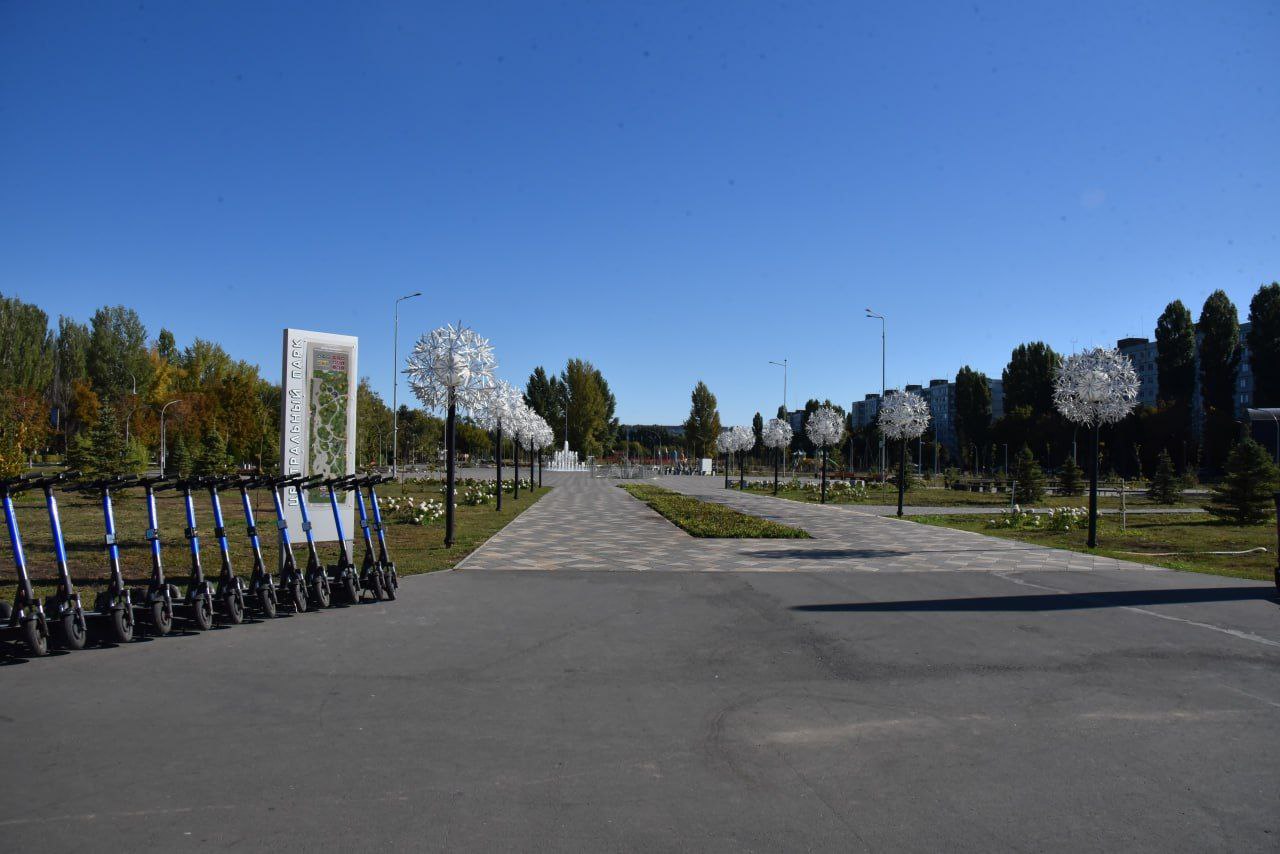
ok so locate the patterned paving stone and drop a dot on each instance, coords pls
(588, 524)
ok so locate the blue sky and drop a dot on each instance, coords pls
(673, 191)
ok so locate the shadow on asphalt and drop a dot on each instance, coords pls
(839, 554)
(1056, 601)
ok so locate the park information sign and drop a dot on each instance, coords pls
(318, 424)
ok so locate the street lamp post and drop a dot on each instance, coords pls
(880, 317)
(395, 380)
(785, 370)
(164, 448)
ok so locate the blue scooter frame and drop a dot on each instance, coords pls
(24, 620)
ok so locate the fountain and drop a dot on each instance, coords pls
(566, 460)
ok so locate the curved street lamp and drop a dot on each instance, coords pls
(395, 382)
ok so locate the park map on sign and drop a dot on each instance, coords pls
(329, 385)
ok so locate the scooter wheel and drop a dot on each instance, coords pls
(6, 611)
(202, 613)
(233, 608)
(161, 617)
(390, 584)
(299, 599)
(267, 602)
(121, 626)
(36, 638)
(73, 629)
(351, 589)
(320, 594)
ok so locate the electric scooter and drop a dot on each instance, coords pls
(316, 577)
(24, 620)
(113, 605)
(230, 591)
(371, 579)
(197, 605)
(262, 586)
(390, 581)
(292, 583)
(63, 608)
(343, 573)
(159, 595)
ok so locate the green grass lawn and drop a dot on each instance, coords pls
(937, 497)
(414, 548)
(1147, 535)
(708, 519)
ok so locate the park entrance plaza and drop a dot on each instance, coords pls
(593, 678)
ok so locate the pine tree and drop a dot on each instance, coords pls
(107, 443)
(179, 462)
(1070, 478)
(213, 455)
(80, 452)
(1163, 488)
(1030, 478)
(1245, 494)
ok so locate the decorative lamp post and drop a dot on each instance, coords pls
(521, 421)
(450, 367)
(744, 439)
(824, 428)
(546, 437)
(776, 435)
(724, 445)
(1095, 387)
(496, 410)
(904, 416)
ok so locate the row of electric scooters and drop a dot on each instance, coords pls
(118, 610)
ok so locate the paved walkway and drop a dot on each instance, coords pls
(591, 524)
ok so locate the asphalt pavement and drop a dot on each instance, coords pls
(885, 700)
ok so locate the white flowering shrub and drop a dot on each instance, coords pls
(1063, 519)
(1015, 517)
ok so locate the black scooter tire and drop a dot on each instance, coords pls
(320, 594)
(351, 589)
(35, 640)
(375, 584)
(233, 608)
(390, 584)
(6, 611)
(202, 614)
(73, 631)
(161, 618)
(267, 602)
(299, 599)
(121, 626)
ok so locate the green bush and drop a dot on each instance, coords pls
(1070, 478)
(1163, 488)
(1030, 478)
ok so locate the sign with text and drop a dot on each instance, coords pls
(318, 425)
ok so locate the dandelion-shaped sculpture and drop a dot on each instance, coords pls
(825, 429)
(546, 436)
(904, 416)
(776, 435)
(494, 415)
(521, 422)
(724, 445)
(450, 367)
(1095, 387)
(530, 438)
(744, 439)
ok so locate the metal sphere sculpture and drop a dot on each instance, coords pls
(744, 439)
(904, 416)
(825, 428)
(495, 414)
(777, 435)
(450, 367)
(725, 445)
(1095, 387)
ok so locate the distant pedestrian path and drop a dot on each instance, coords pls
(591, 524)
